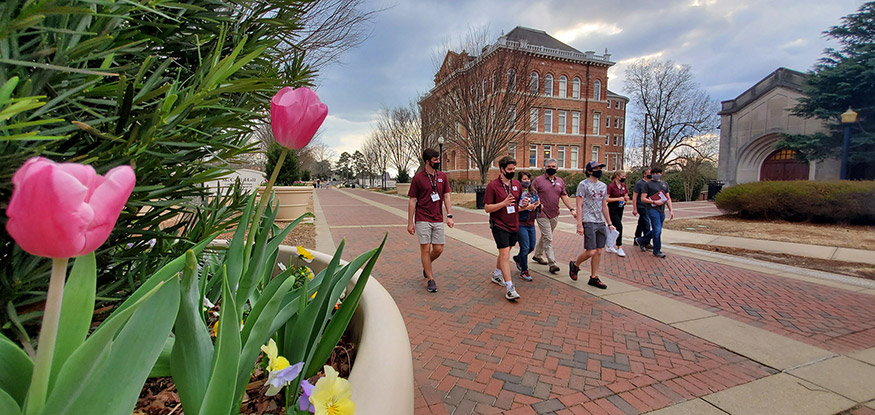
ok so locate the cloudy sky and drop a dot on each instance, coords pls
(730, 45)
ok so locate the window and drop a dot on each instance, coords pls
(560, 156)
(596, 123)
(533, 119)
(511, 80)
(597, 90)
(511, 150)
(574, 164)
(548, 121)
(484, 88)
(608, 121)
(595, 153)
(548, 85)
(622, 123)
(511, 118)
(609, 103)
(494, 81)
(561, 121)
(575, 122)
(575, 88)
(548, 151)
(616, 139)
(533, 155)
(471, 164)
(533, 83)
(607, 139)
(617, 122)
(622, 140)
(617, 104)
(563, 86)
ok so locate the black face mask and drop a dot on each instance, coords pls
(597, 174)
(526, 184)
(436, 166)
(623, 180)
(550, 172)
(649, 176)
(508, 175)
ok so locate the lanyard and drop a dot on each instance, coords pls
(432, 180)
(507, 188)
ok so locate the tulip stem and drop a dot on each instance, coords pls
(42, 369)
(262, 204)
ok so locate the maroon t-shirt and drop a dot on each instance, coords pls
(550, 192)
(421, 187)
(616, 191)
(496, 191)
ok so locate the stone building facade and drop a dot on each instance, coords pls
(752, 124)
(576, 118)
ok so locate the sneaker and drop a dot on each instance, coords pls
(511, 293)
(620, 252)
(640, 245)
(525, 275)
(635, 241)
(554, 269)
(432, 287)
(496, 278)
(572, 270)
(649, 246)
(594, 281)
(516, 261)
(659, 254)
(611, 249)
(539, 260)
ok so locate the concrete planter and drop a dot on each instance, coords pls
(293, 201)
(382, 375)
(402, 188)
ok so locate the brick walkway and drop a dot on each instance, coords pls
(561, 350)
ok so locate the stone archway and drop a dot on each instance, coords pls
(752, 156)
(783, 165)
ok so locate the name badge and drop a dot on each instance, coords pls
(440, 180)
(511, 209)
(514, 188)
(435, 197)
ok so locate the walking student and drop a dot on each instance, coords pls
(501, 202)
(592, 203)
(639, 208)
(617, 198)
(658, 196)
(428, 189)
(550, 189)
(529, 205)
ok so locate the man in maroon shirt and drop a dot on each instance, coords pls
(550, 190)
(501, 202)
(424, 215)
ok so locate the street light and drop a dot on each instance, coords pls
(848, 117)
(441, 151)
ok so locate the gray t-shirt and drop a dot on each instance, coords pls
(654, 187)
(593, 195)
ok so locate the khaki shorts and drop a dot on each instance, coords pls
(430, 232)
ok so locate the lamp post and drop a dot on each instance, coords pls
(848, 117)
(441, 151)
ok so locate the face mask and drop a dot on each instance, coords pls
(550, 172)
(436, 166)
(508, 175)
(649, 176)
(597, 174)
(657, 177)
(623, 180)
(526, 184)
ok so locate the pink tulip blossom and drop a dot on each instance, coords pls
(63, 210)
(295, 115)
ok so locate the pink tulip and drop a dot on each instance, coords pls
(295, 115)
(65, 210)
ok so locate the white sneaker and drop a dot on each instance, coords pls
(611, 249)
(620, 252)
(511, 294)
(497, 278)
(497, 273)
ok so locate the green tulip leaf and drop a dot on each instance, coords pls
(16, 369)
(8, 406)
(193, 348)
(219, 396)
(77, 309)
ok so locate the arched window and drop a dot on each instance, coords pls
(494, 81)
(533, 83)
(511, 80)
(563, 86)
(575, 88)
(597, 90)
(548, 85)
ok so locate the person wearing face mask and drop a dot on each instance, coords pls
(617, 198)
(550, 189)
(592, 203)
(501, 203)
(639, 208)
(428, 189)
(529, 204)
(658, 196)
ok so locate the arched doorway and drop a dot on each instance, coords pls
(783, 165)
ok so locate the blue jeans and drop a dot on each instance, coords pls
(656, 216)
(526, 236)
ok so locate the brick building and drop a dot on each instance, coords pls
(574, 118)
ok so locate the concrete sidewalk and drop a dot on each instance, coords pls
(691, 334)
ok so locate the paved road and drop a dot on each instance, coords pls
(683, 334)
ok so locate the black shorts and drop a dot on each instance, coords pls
(594, 235)
(503, 238)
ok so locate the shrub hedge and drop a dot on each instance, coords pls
(851, 202)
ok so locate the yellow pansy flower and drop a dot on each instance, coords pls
(332, 395)
(305, 254)
(274, 362)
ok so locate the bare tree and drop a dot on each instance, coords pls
(399, 131)
(376, 156)
(672, 107)
(481, 102)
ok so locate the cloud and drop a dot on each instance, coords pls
(585, 29)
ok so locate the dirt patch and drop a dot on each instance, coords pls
(853, 269)
(857, 237)
(465, 200)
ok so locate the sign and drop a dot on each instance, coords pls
(249, 180)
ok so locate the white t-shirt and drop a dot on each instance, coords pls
(593, 194)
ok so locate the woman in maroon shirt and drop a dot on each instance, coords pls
(617, 198)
